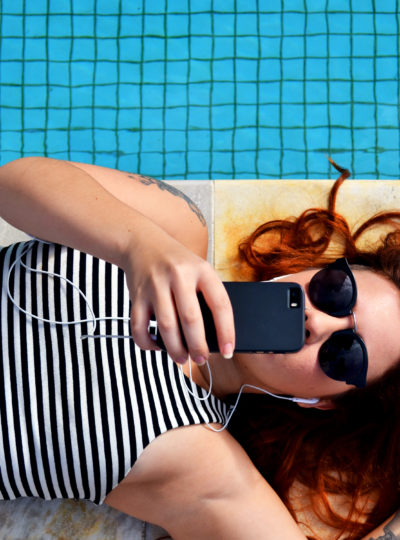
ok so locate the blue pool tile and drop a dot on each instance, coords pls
(293, 47)
(154, 48)
(294, 23)
(154, 25)
(387, 116)
(128, 141)
(105, 118)
(57, 141)
(80, 96)
(35, 96)
(293, 69)
(269, 70)
(293, 92)
(128, 162)
(244, 139)
(105, 141)
(386, 45)
(364, 46)
(152, 96)
(199, 140)
(201, 47)
(269, 115)
(223, 46)
(339, 68)
(316, 46)
(105, 95)
(271, 24)
(59, 25)
(246, 93)
(129, 72)
(12, 118)
(246, 69)
(81, 118)
(224, 5)
(340, 114)
(292, 162)
(106, 26)
(176, 118)
(316, 139)
(130, 49)
(177, 141)
(268, 163)
(387, 68)
(316, 115)
(175, 164)
(223, 92)
(58, 118)
(11, 96)
(364, 92)
(246, 24)
(152, 141)
(244, 164)
(12, 49)
(221, 140)
(177, 71)
(388, 139)
(269, 92)
(246, 5)
(247, 47)
(199, 5)
(363, 69)
(178, 48)
(363, 23)
(222, 162)
(35, 71)
(83, 25)
(12, 6)
(294, 139)
(339, 21)
(386, 23)
(61, 50)
(105, 72)
(151, 163)
(246, 115)
(131, 25)
(270, 138)
(11, 25)
(33, 142)
(224, 24)
(107, 49)
(152, 119)
(11, 72)
(130, 119)
(177, 23)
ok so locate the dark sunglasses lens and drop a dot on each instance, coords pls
(331, 290)
(343, 357)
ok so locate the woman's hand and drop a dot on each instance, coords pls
(163, 278)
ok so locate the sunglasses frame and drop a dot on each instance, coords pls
(360, 379)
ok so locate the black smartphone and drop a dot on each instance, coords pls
(269, 317)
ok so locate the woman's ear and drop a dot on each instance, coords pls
(323, 404)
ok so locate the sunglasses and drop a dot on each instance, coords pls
(343, 357)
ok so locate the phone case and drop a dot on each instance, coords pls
(268, 315)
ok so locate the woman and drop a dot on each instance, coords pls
(192, 481)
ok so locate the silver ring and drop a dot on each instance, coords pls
(354, 319)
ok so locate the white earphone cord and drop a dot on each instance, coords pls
(94, 321)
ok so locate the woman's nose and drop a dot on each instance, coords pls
(320, 325)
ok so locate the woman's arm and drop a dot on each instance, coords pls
(61, 202)
(201, 485)
(389, 530)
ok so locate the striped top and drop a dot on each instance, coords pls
(75, 412)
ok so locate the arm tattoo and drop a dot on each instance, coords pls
(147, 180)
(391, 529)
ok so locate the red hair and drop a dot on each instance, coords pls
(352, 450)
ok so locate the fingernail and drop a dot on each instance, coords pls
(227, 351)
(153, 337)
(200, 360)
(182, 360)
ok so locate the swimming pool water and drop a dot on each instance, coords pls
(203, 88)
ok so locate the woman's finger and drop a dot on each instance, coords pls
(140, 317)
(220, 305)
(191, 321)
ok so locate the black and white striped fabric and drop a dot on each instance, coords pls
(75, 413)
